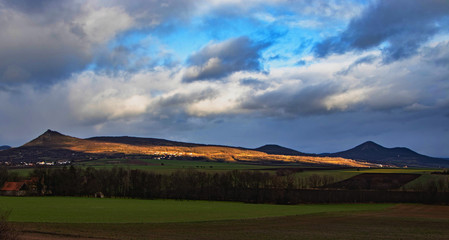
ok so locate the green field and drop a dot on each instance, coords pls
(88, 218)
(91, 210)
(165, 165)
(117, 218)
(160, 166)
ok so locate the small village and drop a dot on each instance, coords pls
(35, 164)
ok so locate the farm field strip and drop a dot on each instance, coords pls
(91, 210)
(155, 164)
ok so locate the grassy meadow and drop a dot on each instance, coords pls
(115, 210)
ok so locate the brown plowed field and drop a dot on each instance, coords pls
(375, 181)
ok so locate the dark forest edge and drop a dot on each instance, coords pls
(236, 185)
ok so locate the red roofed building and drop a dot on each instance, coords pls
(22, 188)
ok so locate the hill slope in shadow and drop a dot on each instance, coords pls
(398, 156)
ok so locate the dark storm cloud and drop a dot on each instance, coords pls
(402, 25)
(36, 43)
(218, 60)
(44, 65)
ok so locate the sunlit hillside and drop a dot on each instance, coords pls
(52, 139)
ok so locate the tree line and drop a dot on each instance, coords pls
(247, 186)
(236, 185)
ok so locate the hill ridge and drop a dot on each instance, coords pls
(54, 144)
(51, 138)
(280, 150)
(398, 156)
(141, 141)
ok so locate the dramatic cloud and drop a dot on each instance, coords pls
(399, 28)
(42, 44)
(283, 93)
(304, 74)
(366, 85)
(218, 60)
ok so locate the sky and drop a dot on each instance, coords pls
(316, 76)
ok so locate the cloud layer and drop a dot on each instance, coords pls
(218, 60)
(301, 74)
(399, 28)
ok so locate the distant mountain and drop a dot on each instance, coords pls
(52, 146)
(4, 147)
(399, 156)
(279, 150)
(52, 139)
